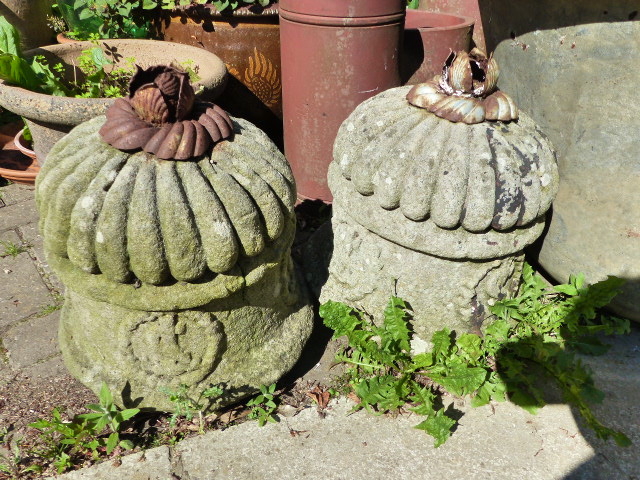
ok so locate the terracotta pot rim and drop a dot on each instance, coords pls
(63, 38)
(271, 10)
(341, 8)
(27, 175)
(428, 17)
(20, 143)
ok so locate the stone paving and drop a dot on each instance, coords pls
(29, 294)
(497, 441)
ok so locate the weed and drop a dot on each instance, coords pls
(69, 441)
(13, 464)
(187, 407)
(11, 249)
(263, 406)
(49, 309)
(533, 336)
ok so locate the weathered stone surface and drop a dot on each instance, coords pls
(188, 232)
(435, 212)
(580, 84)
(241, 342)
(488, 175)
(176, 273)
(369, 269)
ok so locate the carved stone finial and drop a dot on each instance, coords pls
(162, 116)
(466, 91)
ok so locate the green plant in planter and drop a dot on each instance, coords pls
(107, 18)
(98, 80)
(225, 6)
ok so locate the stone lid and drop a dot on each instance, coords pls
(440, 175)
(136, 219)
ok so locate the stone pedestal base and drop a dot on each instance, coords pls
(365, 270)
(248, 339)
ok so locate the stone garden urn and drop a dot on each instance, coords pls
(437, 190)
(170, 225)
(50, 117)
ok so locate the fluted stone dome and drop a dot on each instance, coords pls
(437, 182)
(115, 220)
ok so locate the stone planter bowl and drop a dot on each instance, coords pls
(51, 117)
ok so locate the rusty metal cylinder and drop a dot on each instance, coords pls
(335, 55)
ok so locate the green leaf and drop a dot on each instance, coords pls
(526, 401)
(126, 444)
(339, 317)
(422, 360)
(212, 392)
(9, 38)
(17, 71)
(384, 393)
(112, 442)
(62, 462)
(106, 399)
(48, 81)
(128, 413)
(85, 14)
(424, 399)
(91, 416)
(492, 389)
(589, 345)
(471, 345)
(621, 439)
(460, 379)
(442, 343)
(570, 290)
(102, 422)
(596, 296)
(99, 59)
(498, 329)
(396, 333)
(438, 426)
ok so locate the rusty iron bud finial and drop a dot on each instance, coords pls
(466, 91)
(162, 116)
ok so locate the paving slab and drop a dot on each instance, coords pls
(498, 441)
(52, 367)
(18, 213)
(32, 237)
(22, 291)
(16, 193)
(32, 340)
(151, 464)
